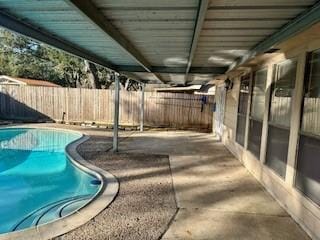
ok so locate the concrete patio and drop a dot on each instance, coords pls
(217, 198)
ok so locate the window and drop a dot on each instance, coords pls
(280, 115)
(257, 111)
(242, 109)
(308, 164)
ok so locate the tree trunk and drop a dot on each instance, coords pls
(92, 75)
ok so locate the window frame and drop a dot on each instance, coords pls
(245, 77)
(250, 117)
(275, 77)
(301, 133)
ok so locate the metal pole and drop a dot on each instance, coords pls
(142, 107)
(116, 112)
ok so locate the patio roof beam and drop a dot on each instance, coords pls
(202, 9)
(177, 70)
(13, 24)
(297, 25)
(91, 12)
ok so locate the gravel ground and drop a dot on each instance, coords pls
(145, 204)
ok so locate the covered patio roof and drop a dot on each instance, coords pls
(178, 42)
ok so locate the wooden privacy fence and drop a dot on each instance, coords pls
(97, 105)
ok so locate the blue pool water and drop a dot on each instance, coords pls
(38, 183)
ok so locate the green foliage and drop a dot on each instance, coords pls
(23, 57)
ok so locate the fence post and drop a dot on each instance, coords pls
(116, 112)
(142, 107)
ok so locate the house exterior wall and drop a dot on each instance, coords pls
(230, 117)
(301, 208)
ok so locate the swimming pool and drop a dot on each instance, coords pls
(38, 183)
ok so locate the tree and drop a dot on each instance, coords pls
(23, 57)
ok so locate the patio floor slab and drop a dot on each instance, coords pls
(217, 198)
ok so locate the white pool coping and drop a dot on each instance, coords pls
(106, 194)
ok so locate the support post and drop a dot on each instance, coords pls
(116, 112)
(142, 107)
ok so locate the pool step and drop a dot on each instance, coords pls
(52, 212)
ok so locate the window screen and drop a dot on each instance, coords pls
(241, 126)
(242, 109)
(311, 105)
(308, 164)
(282, 89)
(254, 137)
(258, 94)
(280, 115)
(257, 111)
(277, 150)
